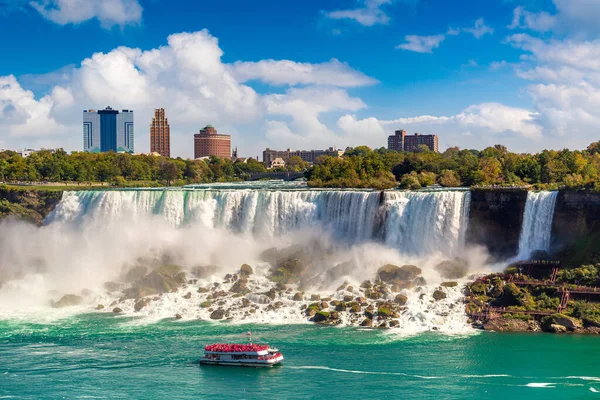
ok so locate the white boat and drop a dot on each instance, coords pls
(243, 355)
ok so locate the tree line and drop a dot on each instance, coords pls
(122, 169)
(359, 167)
(493, 166)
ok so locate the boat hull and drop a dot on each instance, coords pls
(241, 364)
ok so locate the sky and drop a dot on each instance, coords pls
(304, 75)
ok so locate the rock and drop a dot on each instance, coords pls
(342, 286)
(390, 273)
(367, 322)
(299, 296)
(321, 316)
(192, 281)
(68, 300)
(315, 297)
(369, 314)
(100, 307)
(348, 298)
(341, 306)
(220, 293)
(400, 299)
(217, 314)
(117, 310)
(334, 303)
(366, 284)
(449, 284)
(203, 290)
(113, 286)
(439, 295)
(555, 328)
(246, 302)
(373, 294)
(453, 269)
(246, 270)
(508, 325)
(205, 304)
(355, 308)
(394, 323)
(180, 278)
(310, 312)
(240, 286)
(141, 303)
(570, 324)
(289, 271)
(272, 294)
(350, 289)
(362, 301)
(188, 296)
(178, 316)
(324, 304)
(204, 271)
(420, 281)
(135, 274)
(114, 303)
(384, 312)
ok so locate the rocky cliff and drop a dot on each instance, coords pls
(495, 220)
(26, 204)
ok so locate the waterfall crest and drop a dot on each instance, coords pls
(415, 223)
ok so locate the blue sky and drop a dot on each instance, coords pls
(310, 75)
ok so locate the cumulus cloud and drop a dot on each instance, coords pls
(370, 13)
(426, 44)
(477, 126)
(421, 44)
(479, 29)
(189, 79)
(572, 17)
(108, 12)
(286, 72)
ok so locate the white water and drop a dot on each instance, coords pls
(94, 236)
(536, 230)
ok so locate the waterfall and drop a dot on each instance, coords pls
(537, 223)
(421, 223)
(415, 223)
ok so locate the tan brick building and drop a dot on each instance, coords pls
(210, 143)
(160, 134)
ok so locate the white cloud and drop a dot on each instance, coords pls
(286, 72)
(108, 12)
(426, 44)
(371, 13)
(189, 79)
(421, 44)
(480, 29)
(565, 87)
(540, 21)
(484, 125)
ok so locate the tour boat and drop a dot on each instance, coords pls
(243, 355)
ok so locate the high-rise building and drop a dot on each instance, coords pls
(108, 130)
(160, 134)
(309, 156)
(400, 141)
(210, 143)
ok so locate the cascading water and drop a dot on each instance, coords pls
(422, 223)
(415, 223)
(537, 223)
(343, 236)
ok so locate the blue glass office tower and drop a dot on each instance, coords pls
(108, 130)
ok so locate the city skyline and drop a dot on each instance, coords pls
(160, 133)
(489, 74)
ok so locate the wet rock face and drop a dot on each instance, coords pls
(246, 270)
(439, 295)
(240, 286)
(217, 314)
(495, 220)
(511, 325)
(164, 279)
(392, 273)
(140, 304)
(68, 300)
(453, 269)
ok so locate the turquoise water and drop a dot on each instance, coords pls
(99, 356)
